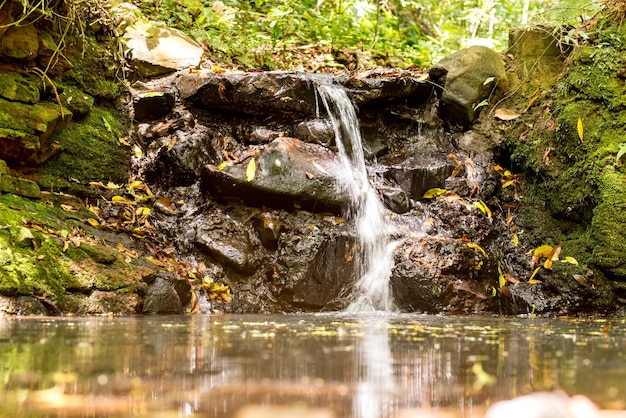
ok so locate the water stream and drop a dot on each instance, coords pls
(376, 251)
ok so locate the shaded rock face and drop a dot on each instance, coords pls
(250, 162)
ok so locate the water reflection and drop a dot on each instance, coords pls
(320, 365)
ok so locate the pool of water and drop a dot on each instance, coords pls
(327, 365)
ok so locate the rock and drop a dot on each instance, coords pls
(396, 200)
(315, 265)
(419, 173)
(162, 298)
(19, 186)
(263, 135)
(48, 57)
(317, 131)
(261, 93)
(382, 89)
(20, 42)
(226, 241)
(438, 274)
(152, 105)
(110, 302)
(156, 49)
(26, 130)
(468, 76)
(16, 87)
(29, 305)
(289, 173)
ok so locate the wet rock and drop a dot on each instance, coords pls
(110, 302)
(260, 93)
(289, 174)
(263, 135)
(396, 200)
(469, 76)
(377, 89)
(29, 305)
(152, 105)
(20, 42)
(317, 131)
(437, 274)
(419, 173)
(226, 241)
(162, 298)
(16, 87)
(315, 265)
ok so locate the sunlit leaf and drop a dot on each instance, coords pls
(515, 240)
(121, 200)
(112, 186)
(320, 168)
(433, 193)
(543, 250)
(532, 279)
(93, 222)
(251, 169)
(570, 260)
(507, 183)
(68, 208)
(143, 211)
(501, 278)
(277, 162)
(222, 165)
(477, 247)
(579, 127)
(621, 151)
(488, 80)
(137, 152)
(483, 208)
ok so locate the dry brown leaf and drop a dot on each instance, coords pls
(505, 114)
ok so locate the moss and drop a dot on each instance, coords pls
(16, 87)
(91, 151)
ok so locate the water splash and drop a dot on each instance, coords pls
(376, 251)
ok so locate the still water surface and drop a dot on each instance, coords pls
(330, 365)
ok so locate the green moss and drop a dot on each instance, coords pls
(90, 151)
(16, 87)
(609, 224)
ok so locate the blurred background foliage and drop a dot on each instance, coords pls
(319, 34)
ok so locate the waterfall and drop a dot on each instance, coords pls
(375, 261)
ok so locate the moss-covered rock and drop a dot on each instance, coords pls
(566, 153)
(16, 87)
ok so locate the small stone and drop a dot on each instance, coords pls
(152, 105)
(162, 298)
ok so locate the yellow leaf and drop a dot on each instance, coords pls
(112, 186)
(93, 222)
(580, 129)
(433, 193)
(507, 183)
(477, 247)
(532, 276)
(501, 278)
(251, 170)
(570, 260)
(137, 151)
(493, 291)
(543, 251)
(505, 114)
(143, 211)
(277, 163)
(515, 240)
(222, 165)
(548, 264)
(121, 200)
(483, 208)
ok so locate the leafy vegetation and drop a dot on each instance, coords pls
(322, 35)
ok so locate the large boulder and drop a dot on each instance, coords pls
(288, 174)
(469, 77)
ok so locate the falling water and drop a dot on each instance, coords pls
(376, 251)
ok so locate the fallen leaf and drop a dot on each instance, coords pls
(251, 169)
(501, 278)
(477, 247)
(570, 260)
(505, 114)
(580, 279)
(579, 127)
(532, 100)
(309, 175)
(532, 276)
(483, 208)
(222, 165)
(433, 193)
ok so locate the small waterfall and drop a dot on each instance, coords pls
(376, 252)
